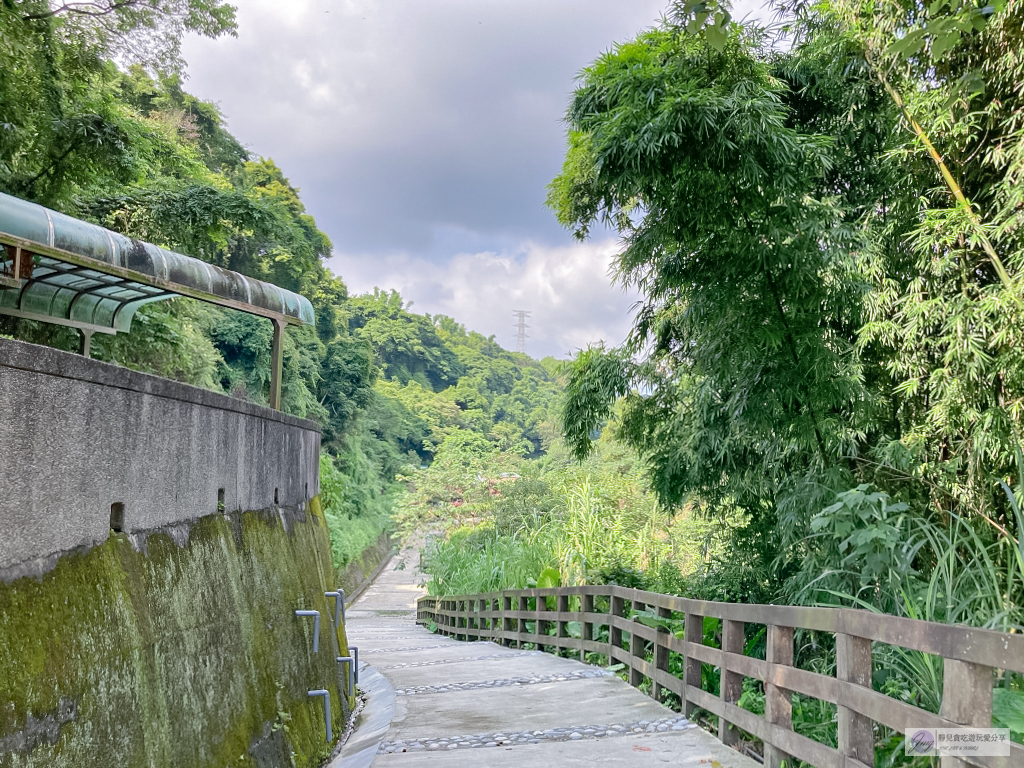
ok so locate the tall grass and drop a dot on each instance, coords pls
(584, 536)
(473, 560)
(953, 571)
(593, 535)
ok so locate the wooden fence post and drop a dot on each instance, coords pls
(778, 702)
(506, 622)
(693, 632)
(660, 653)
(853, 664)
(617, 608)
(637, 650)
(966, 699)
(561, 628)
(731, 685)
(524, 606)
(542, 624)
(586, 627)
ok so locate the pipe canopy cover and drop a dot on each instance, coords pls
(75, 292)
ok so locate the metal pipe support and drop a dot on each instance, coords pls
(316, 627)
(351, 672)
(339, 606)
(327, 710)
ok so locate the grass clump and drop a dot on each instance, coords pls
(476, 559)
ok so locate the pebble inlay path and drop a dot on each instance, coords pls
(581, 674)
(413, 664)
(512, 738)
(523, 707)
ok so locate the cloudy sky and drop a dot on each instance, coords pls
(422, 134)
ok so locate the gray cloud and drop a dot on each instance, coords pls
(422, 134)
(399, 118)
(567, 288)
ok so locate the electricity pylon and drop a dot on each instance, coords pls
(521, 316)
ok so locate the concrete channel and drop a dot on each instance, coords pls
(450, 704)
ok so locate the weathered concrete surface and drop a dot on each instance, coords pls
(79, 435)
(382, 625)
(531, 708)
(372, 723)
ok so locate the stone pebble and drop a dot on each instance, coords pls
(514, 738)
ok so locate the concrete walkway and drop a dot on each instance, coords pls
(462, 704)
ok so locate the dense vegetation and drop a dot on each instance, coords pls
(829, 341)
(124, 145)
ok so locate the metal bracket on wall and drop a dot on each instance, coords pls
(355, 664)
(316, 627)
(339, 606)
(351, 672)
(327, 710)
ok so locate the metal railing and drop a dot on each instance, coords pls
(971, 658)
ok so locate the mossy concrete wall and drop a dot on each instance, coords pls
(170, 641)
(185, 653)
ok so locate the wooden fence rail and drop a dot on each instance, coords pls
(971, 659)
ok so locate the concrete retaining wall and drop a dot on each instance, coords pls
(165, 634)
(78, 436)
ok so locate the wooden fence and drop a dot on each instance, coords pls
(972, 658)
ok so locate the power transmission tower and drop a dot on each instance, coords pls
(521, 316)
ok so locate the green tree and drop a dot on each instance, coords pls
(149, 31)
(739, 373)
(828, 242)
(407, 345)
(62, 127)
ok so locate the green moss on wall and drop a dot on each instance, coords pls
(174, 656)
